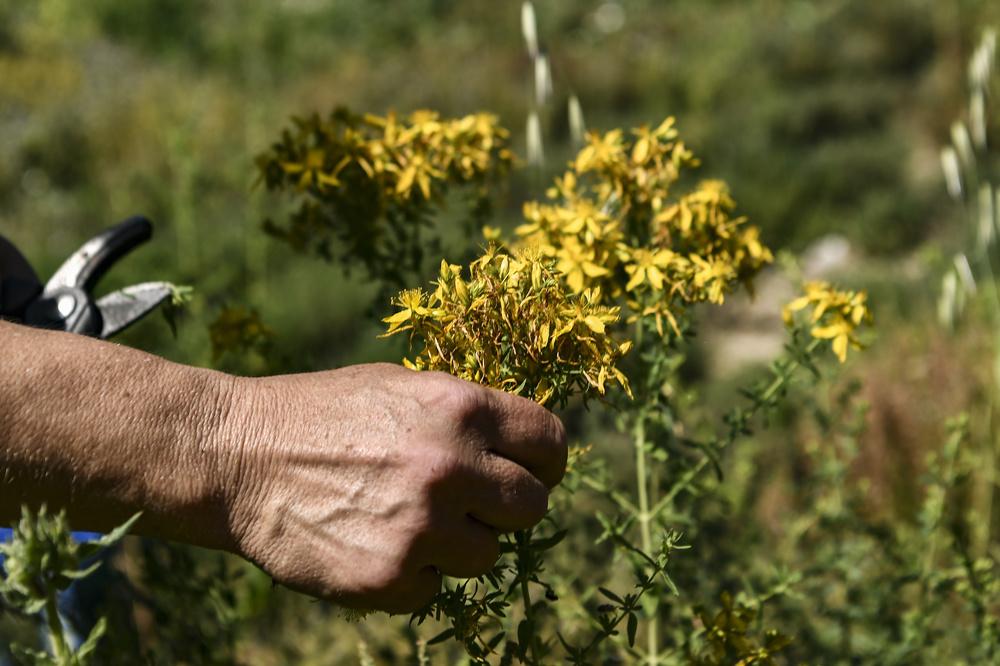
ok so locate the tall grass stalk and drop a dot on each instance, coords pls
(968, 165)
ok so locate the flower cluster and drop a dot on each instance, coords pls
(613, 223)
(372, 181)
(836, 315)
(512, 324)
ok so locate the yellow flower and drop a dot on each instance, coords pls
(840, 332)
(652, 144)
(600, 151)
(416, 168)
(311, 170)
(491, 233)
(614, 206)
(660, 310)
(513, 324)
(366, 183)
(713, 275)
(413, 303)
(836, 315)
(648, 267)
(577, 263)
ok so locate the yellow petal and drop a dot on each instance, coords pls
(827, 332)
(840, 347)
(655, 277)
(398, 318)
(575, 281)
(406, 180)
(593, 270)
(594, 324)
(536, 275)
(798, 304)
(425, 184)
(638, 275)
(641, 150)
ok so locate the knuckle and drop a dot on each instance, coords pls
(557, 431)
(427, 583)
(482, 558)
(527, 501)
(460, 404)
(411, 594)
(438, 472)
(464, 403)
(481, 551)
(560, 449)
(536, 505)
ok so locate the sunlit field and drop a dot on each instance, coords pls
(747, 252)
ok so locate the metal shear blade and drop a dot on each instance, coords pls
(65, 303)
(122, 308)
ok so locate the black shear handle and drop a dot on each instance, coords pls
(92, 261)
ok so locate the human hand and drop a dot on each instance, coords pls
(363, 485)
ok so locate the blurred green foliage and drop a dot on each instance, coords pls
(824, 117)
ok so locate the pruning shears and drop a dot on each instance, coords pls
(65, 302)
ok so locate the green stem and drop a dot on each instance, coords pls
(641, 481)
(642, 492)
(772, 390)
(60, 650)
(529, 618)
(982, 438)
(524, 568)
(946, 483)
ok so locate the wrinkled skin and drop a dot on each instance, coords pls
(366, 484)
(361, 485)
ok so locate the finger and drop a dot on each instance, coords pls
(412, 593)
(506, 496)
(528, 434)
(466, 549)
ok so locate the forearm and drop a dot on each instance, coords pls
(104, 431)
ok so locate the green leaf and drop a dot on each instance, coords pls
(524, 635)
(633, 625)
(442, 637)
(495, 641)
(611, 595)
(29, 657)
(77, 574)
(550, 541)
(34, 606)
(670, 583)
(85, 651)
(112, 537)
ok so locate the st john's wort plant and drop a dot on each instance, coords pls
(368, 187)
(600, 284)
(872, 588)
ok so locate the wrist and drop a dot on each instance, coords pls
(193, 486)
(240, 446)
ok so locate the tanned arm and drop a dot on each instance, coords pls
(361, 485)
(104, 431)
